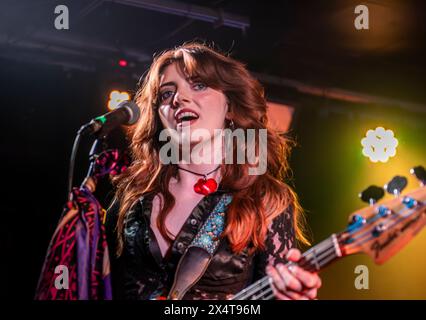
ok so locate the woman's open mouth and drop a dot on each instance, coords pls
(186, 118)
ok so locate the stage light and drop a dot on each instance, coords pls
(379, 145)
(122, 63)
(115, 97)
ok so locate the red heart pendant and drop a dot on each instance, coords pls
(197, 187)
(205, 187)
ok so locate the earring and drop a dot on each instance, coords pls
(231, 124)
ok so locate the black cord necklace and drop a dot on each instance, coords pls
(204, 186)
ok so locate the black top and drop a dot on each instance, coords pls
(141, 271)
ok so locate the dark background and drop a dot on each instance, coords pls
(52, 81)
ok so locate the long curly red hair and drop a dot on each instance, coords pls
(257, 199)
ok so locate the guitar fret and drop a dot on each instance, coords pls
(313, 256)
(315, 260)
(336, 245)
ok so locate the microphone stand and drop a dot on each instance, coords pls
(98, 146)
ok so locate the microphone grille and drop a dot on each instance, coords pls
(133, 111)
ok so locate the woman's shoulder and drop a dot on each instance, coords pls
(113, 210)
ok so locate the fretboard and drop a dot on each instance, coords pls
(313, 260)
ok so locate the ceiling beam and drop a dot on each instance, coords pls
(338, 94)
(215, 16)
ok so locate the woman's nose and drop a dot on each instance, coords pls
(179, 99)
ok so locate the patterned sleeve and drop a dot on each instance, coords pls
(280, 238)
(117, 266)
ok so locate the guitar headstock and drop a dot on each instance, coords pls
(385, 227)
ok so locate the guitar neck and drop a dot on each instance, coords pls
(315, 259)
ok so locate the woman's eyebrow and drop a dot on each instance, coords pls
(170, 83)
(193, 79)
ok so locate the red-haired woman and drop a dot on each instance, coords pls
(162, 208)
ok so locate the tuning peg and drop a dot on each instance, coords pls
(356, 223)
(420, 173)
(396, 185)
(372, 194)
(378, 230)
(409, 202)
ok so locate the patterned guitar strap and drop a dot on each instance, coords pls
(199, 253)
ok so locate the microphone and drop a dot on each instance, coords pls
(127, 113)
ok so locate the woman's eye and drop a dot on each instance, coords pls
(199, 86)
(165, 95)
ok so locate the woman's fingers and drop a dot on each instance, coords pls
(292, 282)
(293, 255)
(308, 279)
(278, 294)
(288, 295)
(296, 295)
(311, 293)
(277, 281)
(283, 279)
(319, 282)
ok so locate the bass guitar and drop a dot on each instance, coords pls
(379, 230)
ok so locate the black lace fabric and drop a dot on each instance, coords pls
(280, 238)
(140, 272)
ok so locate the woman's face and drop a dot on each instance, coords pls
(189, 104)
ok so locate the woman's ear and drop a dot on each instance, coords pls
(228, 115)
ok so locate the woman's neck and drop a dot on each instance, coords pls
(186, 180)
(211, 157)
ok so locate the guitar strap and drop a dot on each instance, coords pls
(199, 253)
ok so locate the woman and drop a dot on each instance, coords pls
(160, 206)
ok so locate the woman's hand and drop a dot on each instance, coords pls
(293, 283)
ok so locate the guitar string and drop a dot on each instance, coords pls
(362, 234)
(321, 261)
(269, 289)
(259, 285)
(269, 297)
(266, 292)
(330, 257)
(262, 283)
(372, 237)
(261, 296)
(393, 217)
(308, 252)
(369, 233)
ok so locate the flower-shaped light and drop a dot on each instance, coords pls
(379, 144)
(115, 97)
